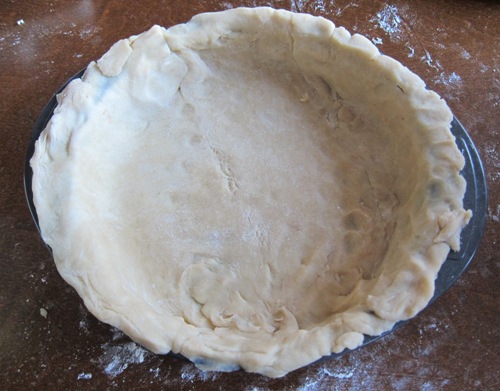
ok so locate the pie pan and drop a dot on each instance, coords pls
(455, 264)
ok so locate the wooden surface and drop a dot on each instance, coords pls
(454, 344)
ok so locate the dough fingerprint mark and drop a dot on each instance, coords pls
(225, 170)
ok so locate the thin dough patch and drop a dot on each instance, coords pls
(253, 189)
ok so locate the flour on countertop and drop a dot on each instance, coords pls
(465, 54)
(452, 83)
(341, 10)
(364, 369)
(318, 381)
(453, 79)
(90, 31)
(117, 334)
(155, 371)
(449, 79)
(84, 323)
(116, 358)
(296, 5)
(190, 373)
(494, 216)
(226, 5)
(493, 156)
(84, 376)
(427, 58)
(483, 67)
(316, 7)
(319, 6)
(389, 20)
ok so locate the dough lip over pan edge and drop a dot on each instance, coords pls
(40, 126)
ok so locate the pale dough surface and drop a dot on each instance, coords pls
(254, 188)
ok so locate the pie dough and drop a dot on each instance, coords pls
(255, 189)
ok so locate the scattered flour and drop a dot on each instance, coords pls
(339, 374)
(319, 6)
(370, 367)
(494, 216)
(319, 379)
(465, 54)
(189, 377)
(483, 67)
(427, 58)
(452, 83)
(349, 5)
(311, 7)
(84, 376)
(297, 5)
(88, 32)
(389, 20)
(155, 371)
(117, 334)
(116, 358)
(84, 323)
(226, 5)
(449, 79)
(191, 374)
(492, 154)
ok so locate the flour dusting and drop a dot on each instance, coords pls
(339, 374)
(319, 380)
(449, 79)
(427, 58)
(85, 33)
(483, 67)
(117, 334)
(227, 5)
(366, 368)
(312, 7)
(465, 54)
(84, 321)
(191, 374)
(389, 20)
(494, 157)
(117, 358)
(494, 216)
(84, 376)
(319, 6)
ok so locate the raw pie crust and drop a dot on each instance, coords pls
(254, 188)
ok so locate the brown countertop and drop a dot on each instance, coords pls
(48, 340)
